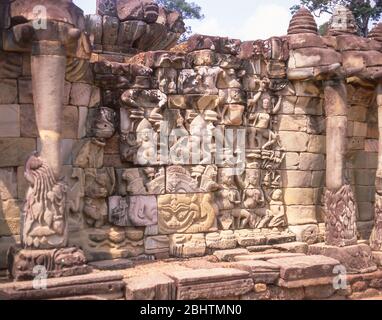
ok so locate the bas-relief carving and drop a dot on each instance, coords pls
(186, 213)
(101, 123)
(190, 180)
(90, 154)
(138, 211)
(187, 245)
(45, 220)
(221, 240)
(141, 181)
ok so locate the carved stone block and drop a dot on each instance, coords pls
(89, 154)
(141, 181)
(138, 211)
(101, 122)
(10, 65)
(130, 32)
(167, 80)
(110, 30)
(249, 237)
(191, 179)
(157, 245)
(99, 183)
(187, 245)
(57, 263)
(106, 7)
(221, 240)
(186, 213)
(199, 80)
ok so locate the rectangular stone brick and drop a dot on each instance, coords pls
(8, 91)
(22, 184)
(9, 121)
(10, 65)
(28, 124)
(66, 150)
(80, 94)
(312, 161)
(318, 179)
(82, 116)
(359, 129)
(70, 122)
(302, 196)
(296, 179)
(299, 215)
(317, 144)
(365, 211)
(25, 90)
(15, 151)
(365, 194)
(291, 161)
(292, 123)
(8, 184)
(294, 141)
(364, 160)
(357, 113)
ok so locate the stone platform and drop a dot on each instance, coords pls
(238, 274)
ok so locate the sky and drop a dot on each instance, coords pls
(241, 19)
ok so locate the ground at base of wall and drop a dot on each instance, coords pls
(228, 274)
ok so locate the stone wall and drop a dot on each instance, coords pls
(129, 102)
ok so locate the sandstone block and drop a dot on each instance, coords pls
(260, 271)
(317, 144)
(291, 161)
(308, 233)
(211, 283)
(229, 255)
(300, 196)
(293, 247)
(80, 94)
(292, 123)
(15, 151)
(312, 161)
(25, 90)
(305, 267)
(8, 91)
(70, 122)
(299, 215)
(8, 184)
(28, 124)
(296, 179)
(294, 141)
(9, 121)
(150, 287)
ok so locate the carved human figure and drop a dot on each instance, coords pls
(147, 140)
(229, 199)
(276, 212)
(253, 196)
(261, 121)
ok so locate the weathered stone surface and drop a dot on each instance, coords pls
(229, 255)
(305, 267)
(28, 126)
(300, 196)
(299, 215)
(9, 121)
(187, 245)
(91, 284)
(356, 258)
(221, 240)
(8, 91)
(211, 283)
(157, 245)
(117, 264)
(80, 94)
(311, 161)
(8, 184)
(15, 151)
(266, 256)
(10, 65)
(293, 247)
(70, 122)
(294, 141)
(260, 271)
(308, 233)
(150, 287)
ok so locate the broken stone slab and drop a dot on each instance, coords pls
(305, 267)
(267, 256)
(305, 283)
(356, 258)
(117, 264)
(260, 271)
(211, 283)
(293, 247)
(229, 255)
(259, 248)
(90, 284)
(273, 239)
(150, 287)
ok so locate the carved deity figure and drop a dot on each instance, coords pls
(253, 196)
(229, 200)
(44, 212)
(261, 121)
(148, 141)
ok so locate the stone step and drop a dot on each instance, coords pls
(117, 264)
(266, 256)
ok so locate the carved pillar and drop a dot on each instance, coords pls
(376, 235)
(340, 203)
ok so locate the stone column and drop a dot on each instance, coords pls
(376, 235)
(48, 65)
(340, 206)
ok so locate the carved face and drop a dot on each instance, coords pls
(253, 177)
(266, 104)
(178, 212)
(277, 195)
